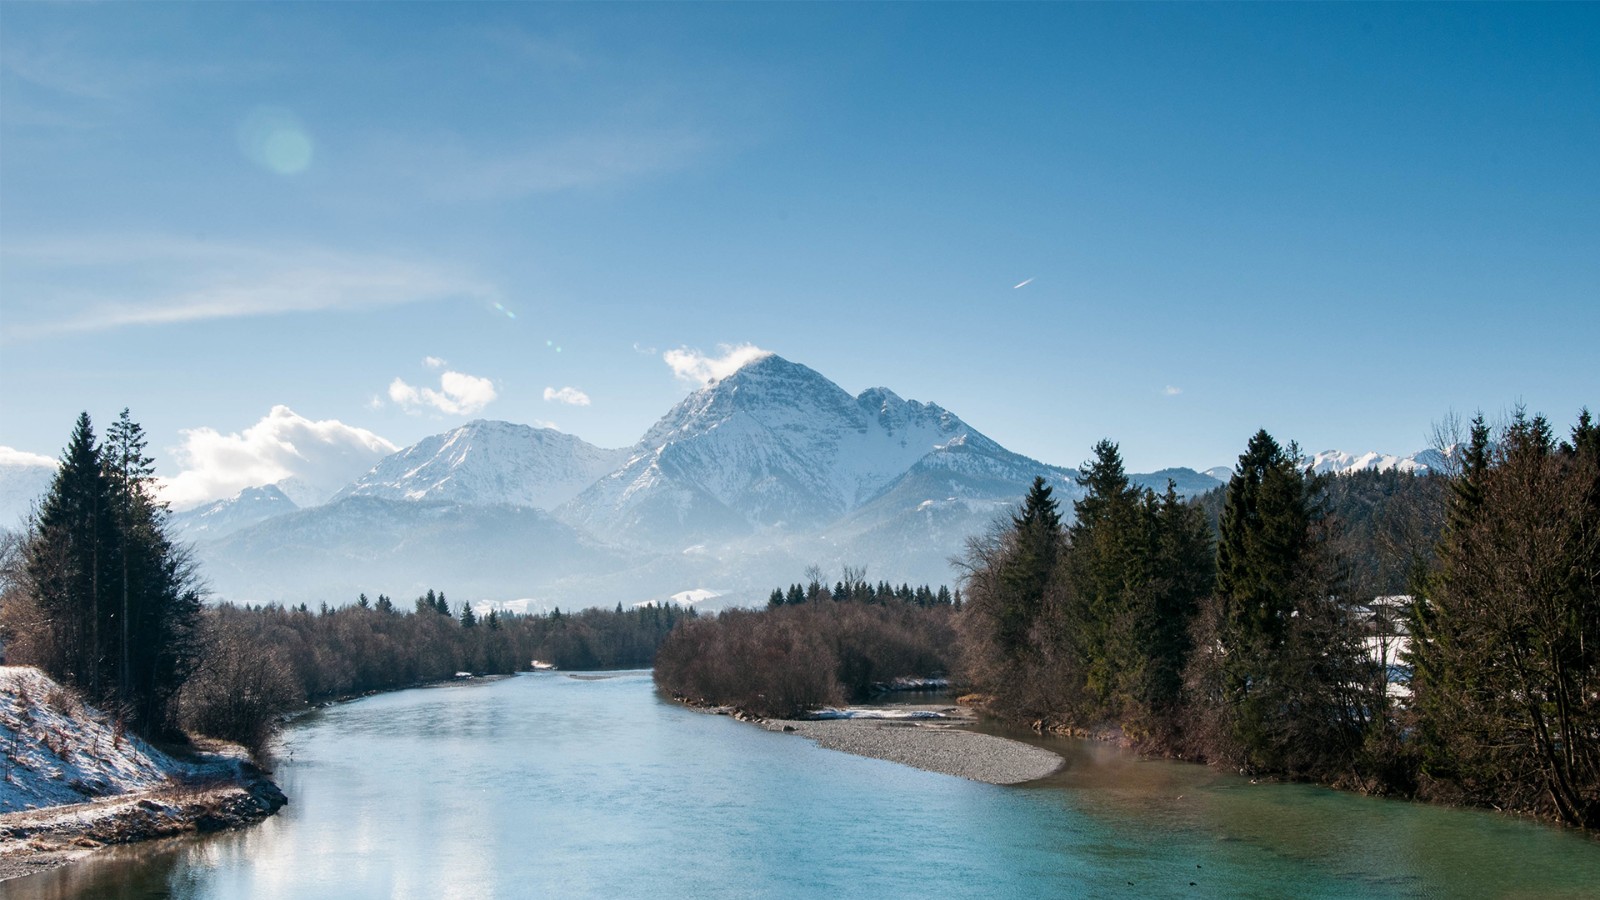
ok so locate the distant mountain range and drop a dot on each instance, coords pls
(739, 487)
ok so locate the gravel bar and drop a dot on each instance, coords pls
(935, 748)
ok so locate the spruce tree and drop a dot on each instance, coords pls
(1108, 540)
(118, 599)
(74, 568)
(1035, 547)
(1285, 691)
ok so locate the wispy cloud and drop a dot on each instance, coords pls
(452, 171)
(568, 395)
(98, 283)
(322, 455)
(458, 394)
(434, 362)
(72, 65)
(1170, 391)
(696, 367)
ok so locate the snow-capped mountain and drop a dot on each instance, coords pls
(223, 517)
(24, 479)
(739, 487)
(776, 446)
(1335, 462)
(485, 462)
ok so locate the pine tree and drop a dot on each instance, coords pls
(1036, 540)
(468, 620)
(1284, 674)
(118, 599)
(73, 561)
(1109, 541)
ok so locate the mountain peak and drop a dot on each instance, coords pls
(487, 461)
(762, 365)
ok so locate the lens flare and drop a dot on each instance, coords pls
(274, 138)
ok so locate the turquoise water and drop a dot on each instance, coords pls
(550, 785)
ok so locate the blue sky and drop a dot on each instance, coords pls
(1338, 222)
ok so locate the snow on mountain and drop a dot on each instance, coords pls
(485, 462)
(223, 517)
(1336, 462)
(741, 486)
(24, 480)
(774, 445)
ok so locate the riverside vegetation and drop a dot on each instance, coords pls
(1435, 636)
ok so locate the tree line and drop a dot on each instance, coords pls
(263, 661)
(822, 648)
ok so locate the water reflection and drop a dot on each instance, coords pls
(547, 785)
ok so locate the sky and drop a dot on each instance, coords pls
(288, 236)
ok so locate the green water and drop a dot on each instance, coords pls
(551, 786)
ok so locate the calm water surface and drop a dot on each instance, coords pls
(551, 785)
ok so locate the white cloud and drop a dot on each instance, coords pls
(1171, 391)
(100, 283)
(322, 456)
(13, 457)
(568, 395)
(434, 362)
(694, 366)
(459, 394)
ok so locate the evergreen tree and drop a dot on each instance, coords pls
(117, 600)
(1109, 541)
(1284, 677)
(74, 567)
(1036, 540)
(468, 620)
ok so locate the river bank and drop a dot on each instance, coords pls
(934, 738)
(72, 780)
(36, 840)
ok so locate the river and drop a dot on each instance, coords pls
(557, 785)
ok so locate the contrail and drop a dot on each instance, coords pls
(1022, 284)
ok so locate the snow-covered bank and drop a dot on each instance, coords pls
(71, 780)
(55, 750)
